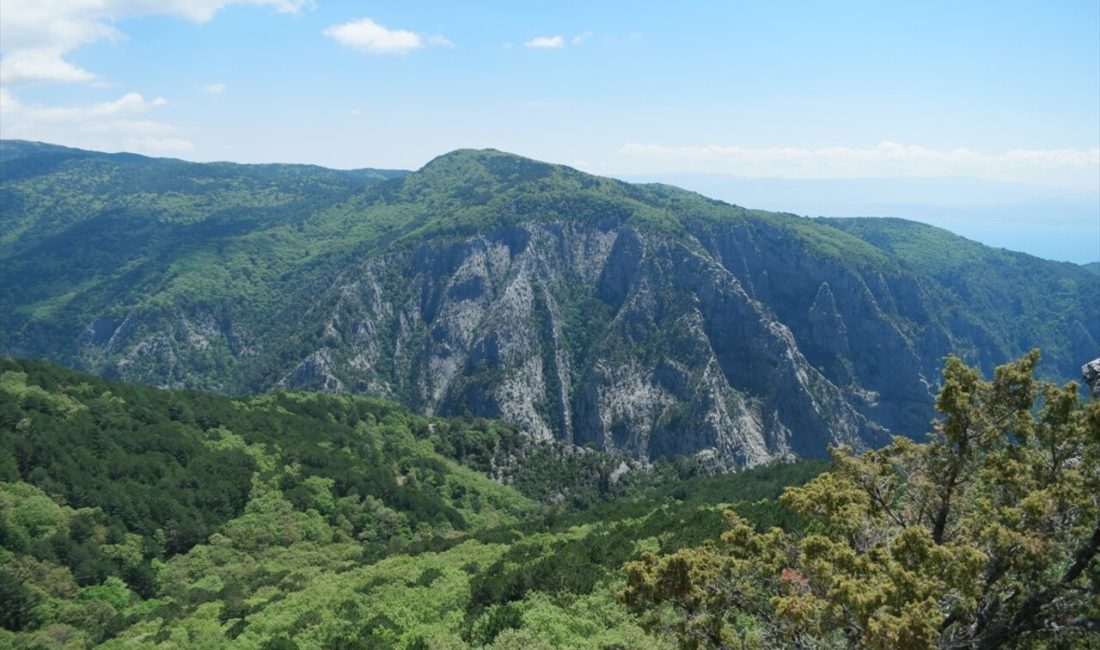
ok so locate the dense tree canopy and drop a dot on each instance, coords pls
(347, 522)
(136, 517)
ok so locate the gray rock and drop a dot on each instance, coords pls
(730, 343)
(1090, 372)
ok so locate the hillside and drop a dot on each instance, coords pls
(136, 517)
(634, 318)
(131, 516)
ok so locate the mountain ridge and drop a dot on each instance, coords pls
(643, 319)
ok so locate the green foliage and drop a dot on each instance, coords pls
(182, 463)
(354, 532)
(18, 602)
(492, 622)
(121, 452)
(113, 591)
(987, 536)
(133, 517)
(96, 229)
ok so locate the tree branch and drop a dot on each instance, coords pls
(940, 522)
(1026, 617)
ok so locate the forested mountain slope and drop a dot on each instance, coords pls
(639, 318)
(135, 517)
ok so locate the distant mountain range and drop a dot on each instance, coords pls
(641, 318)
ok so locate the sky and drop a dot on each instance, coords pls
(1003, 93)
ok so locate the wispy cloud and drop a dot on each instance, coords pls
(116, 125)
(366, 35)
(26, 66)
(546, 42)
(581, 38)
(37, 36)
(1053, 166)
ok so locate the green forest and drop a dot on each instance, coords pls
(137, 517)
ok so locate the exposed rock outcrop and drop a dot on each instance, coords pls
(732, 343)
(608, 336)
(1090, 372)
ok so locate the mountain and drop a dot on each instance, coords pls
(635, 318)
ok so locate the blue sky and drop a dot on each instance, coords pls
(999, 91)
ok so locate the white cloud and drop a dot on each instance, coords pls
(128, 103)
(25, 66)
(104, 126)
(368, 36)
(580, 38)
(1052, 166)
(36, 39)
(546, 42)
(36, 35)
(215, 89)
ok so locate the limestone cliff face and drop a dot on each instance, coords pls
(608, 336)
(734, 341)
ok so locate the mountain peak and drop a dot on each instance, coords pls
(470, 154)
(466, 164)
(470, 173)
